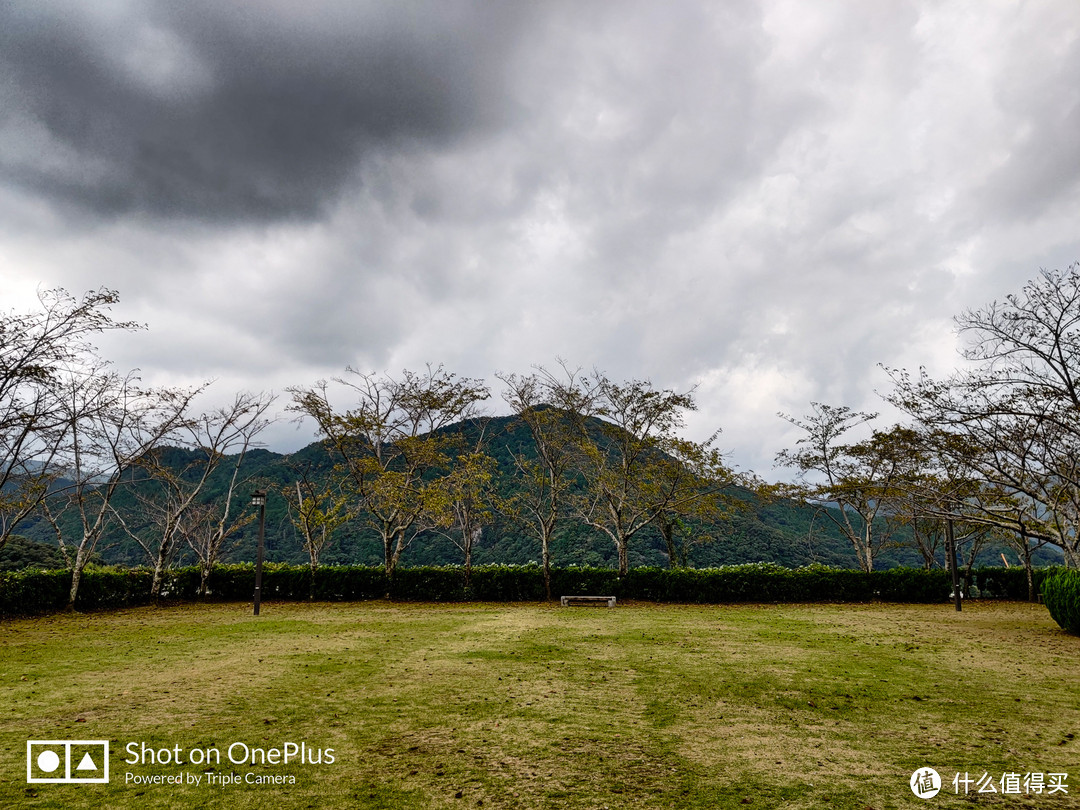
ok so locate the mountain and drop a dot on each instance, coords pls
(779, 531)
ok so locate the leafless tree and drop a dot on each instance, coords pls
(1013, 411)
(317, 508)
(168, 483)
(111, 423)
(850, 482)
(41, 352)
(206, 527)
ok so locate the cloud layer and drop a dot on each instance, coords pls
(762, 199)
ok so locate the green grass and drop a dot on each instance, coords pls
(535, 706)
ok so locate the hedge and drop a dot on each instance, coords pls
(32, 591)
(1061, 594)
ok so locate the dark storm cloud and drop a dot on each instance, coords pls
(214, 110)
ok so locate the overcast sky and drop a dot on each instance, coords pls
(763, 199)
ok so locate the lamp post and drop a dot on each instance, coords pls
(258, 498)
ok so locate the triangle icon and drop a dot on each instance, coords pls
(86, 763)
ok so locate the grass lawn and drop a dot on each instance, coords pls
(536, 706)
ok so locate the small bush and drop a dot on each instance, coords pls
(1061, 595)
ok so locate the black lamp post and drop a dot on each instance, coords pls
(258, 498)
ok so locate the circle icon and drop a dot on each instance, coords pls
(48, 761)
(925, 783)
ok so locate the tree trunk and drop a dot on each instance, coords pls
(868, 548)
(388, 553)
(624, 557)
(862, 554)
(545, 553)
(314, 568)
(667, 529)
(392, 544)
(1030, 574)
(76, 575)
(155, 585)
(204, 580)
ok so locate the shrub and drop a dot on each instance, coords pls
(338, 583)
(28, 592)
(32, 591)
(1009, 583)
(1061, 594)
(112, 588)
(507, 583)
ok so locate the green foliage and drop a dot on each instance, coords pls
(1061, 594)
(21, 552)
(778, 530)
(1008, 583)
(32, 591)
(35, 591)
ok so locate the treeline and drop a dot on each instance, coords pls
(989, 456)
(991, 451)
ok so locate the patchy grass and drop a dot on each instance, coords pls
(534, 706)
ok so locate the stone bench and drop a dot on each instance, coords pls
(578, 601)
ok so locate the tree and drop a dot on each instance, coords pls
(316, 509)
(206, 526)
(698, 485)
(468, 498)
(851, 483)
(998, 466)
(167, 484)
(41, 353)
(110, 424)
(391, 445)
(1013, 412)
(635, 467)
(547, 404)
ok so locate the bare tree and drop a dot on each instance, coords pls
(169, 483)
(316, 509)
(40, 353)
(1013, 412)
(111, 424)
(1002, 467)
(206, 527)
(850, 483)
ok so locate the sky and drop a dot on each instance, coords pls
(765, 200)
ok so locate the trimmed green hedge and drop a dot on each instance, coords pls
(1009, 583)
(1061, 595)
(29, 592)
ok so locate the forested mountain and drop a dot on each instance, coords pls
(756, 530)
